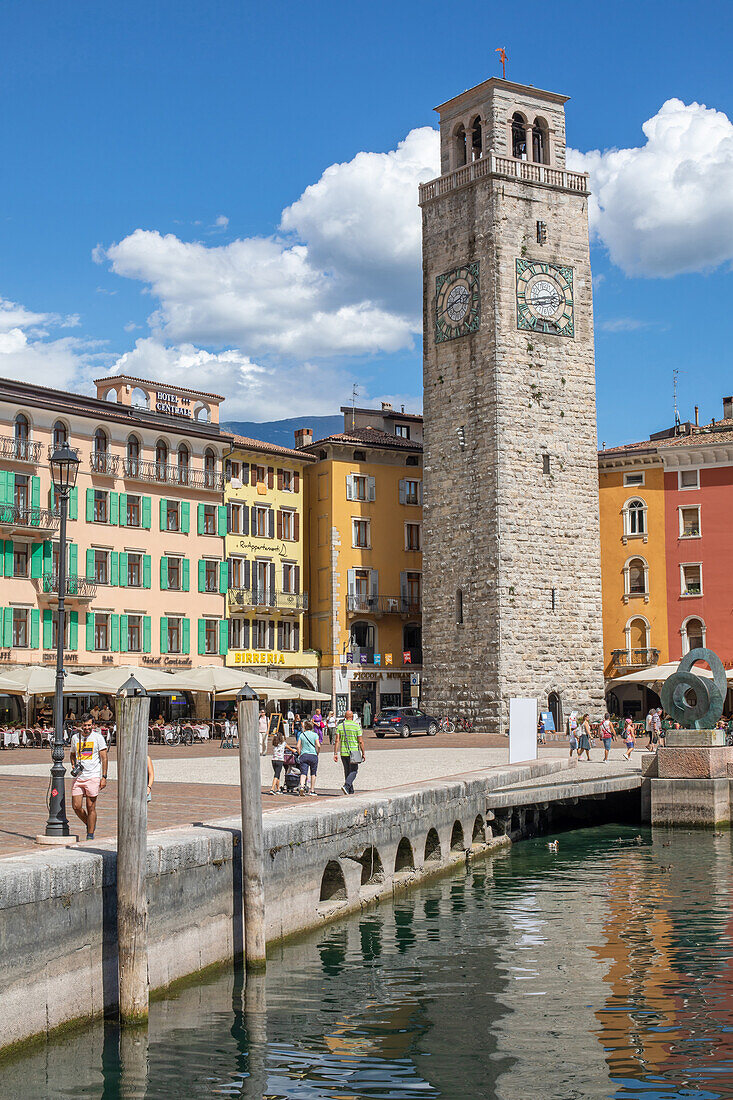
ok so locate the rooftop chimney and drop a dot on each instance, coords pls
(386, 406)
(697, 416)
(727, 408)
(303, 438)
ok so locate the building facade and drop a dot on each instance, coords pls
(266, 588)
(365, 563)
(146, 523)
(512, 556)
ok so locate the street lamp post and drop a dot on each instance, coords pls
(64, 468)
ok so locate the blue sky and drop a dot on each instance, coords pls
(133, 131)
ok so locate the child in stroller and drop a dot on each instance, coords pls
(292, 771)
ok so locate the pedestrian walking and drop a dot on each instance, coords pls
(367, 715)
(279, 745)
(350, 747)
(657, 728)
(263, 733)
(573, 732)
(290, 722)
(649, 727)
(331, 726)
(307, 747)
(541, 739)
(88, 753)
(585, 736)
(629, 738)
(319, 723)
(606, 735)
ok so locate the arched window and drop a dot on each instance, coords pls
(460, 143)
(554, 704)
(100, 442)
(638, 634)
(694, 634)
(22, 428)
(161, 459)
(139, 399)
(111, 395)
(634, 515)
(60, 434)
(201, 412)
(476, 139)
(636, 579)
(209, 468)
(183, 463)
(519, 136)
(540, 144)
(133, 455)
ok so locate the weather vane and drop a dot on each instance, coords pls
(502, 57)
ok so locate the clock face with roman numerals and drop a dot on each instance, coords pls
(457, 303)
(545, 298)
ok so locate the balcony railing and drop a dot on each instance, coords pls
(13, 515)
(270, 598)
(634, 658)
(21, 449)
(140, 469)
(384, 605)
(103, 463)
(493, 165)
(76, 587)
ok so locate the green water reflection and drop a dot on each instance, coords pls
(600, 970)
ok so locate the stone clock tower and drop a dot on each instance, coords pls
(512, 576)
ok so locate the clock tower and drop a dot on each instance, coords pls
(511, 558)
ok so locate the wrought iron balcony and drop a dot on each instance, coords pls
(43, 519)
(21, 449)
(383, 605)
(269, 598)
(623, 659)
(103, 463)
(76, 587)
(140, 469)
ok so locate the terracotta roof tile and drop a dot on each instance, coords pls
(260, 445)
(373, 437)
(157, 385)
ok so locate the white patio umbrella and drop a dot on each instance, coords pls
(656, 675)
(108, 681)
(30, 680)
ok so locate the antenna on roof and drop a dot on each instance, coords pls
(675, 376)
(354, 392)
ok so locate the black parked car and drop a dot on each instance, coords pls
(405, 721)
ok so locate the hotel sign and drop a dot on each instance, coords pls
(172, 405)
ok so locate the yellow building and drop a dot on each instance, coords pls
(365, 569)
(267, 596)
(633, 569)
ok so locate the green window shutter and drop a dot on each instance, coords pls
(223, 636)
(48, 556)
(123, 569)
(114, 567)
(2, 570)
(146, 570)
(90, 566)
(7, 627)
(115, 632)
(74, 503)
(163, 634)
(37, 560)
(163, 573)
(162, 513)
(146, 634)
(47, 628)
(123, 509)
(123, 633)
(90, 505)
(35, 500)
(90, 631)
(51, 497)
(8, 559)
(73, 630)
(221, 524)
(202, 635)
(35, 623)
(147, 511)
(114, 509)
(186, 635)
(224, 577)
(185, 517)
(202, 575)
(73, 560)
(4, 487)
(185, 574)
(200, 519)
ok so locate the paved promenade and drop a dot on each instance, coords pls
(201, 782)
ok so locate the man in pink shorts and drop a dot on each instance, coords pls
(88, 749)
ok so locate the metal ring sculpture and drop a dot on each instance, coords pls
(709, 694)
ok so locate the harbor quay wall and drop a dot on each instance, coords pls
(58, 915)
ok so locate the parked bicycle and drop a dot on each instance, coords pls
(450, 725)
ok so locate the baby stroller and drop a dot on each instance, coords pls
(291, 772)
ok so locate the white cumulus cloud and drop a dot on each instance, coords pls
(666, 207)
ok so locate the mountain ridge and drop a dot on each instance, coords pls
(281, 432)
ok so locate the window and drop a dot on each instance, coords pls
(359, 456)
(261, 524)
(20, 560)
(21, 496)
(22, 432)
(236, 572)
(101, 512)
(211, 577)
(101, 631)
(688, 479)
(172, 515)
(133, 511)
(211, 636)
(55, 629)
(100, 442)
(287, 636)
(259, 633)
(133, 455)
(693, 635)
(545, 464)
(183, 464)
(237, 634)
(476, 139)
(235, 470)
(412, 536)
(691, 580)
(633, 479)
(402, 430)
(540, 144)
(209, 468)
(235, 519)
(290, 577)
(60, 434)
(519, 136)
(20, 628)
(174, 573)
(209, 519)
(174, 634)
(361, 582)
(459, 606)
(161, 459)
(637, 634)
(134, 570)
(358, 487)
(101, 566)
(258, 475)
(413, 590)
(287, 478)
(690, 522)
(634, 513)
(637, 571)
(134, 633)
(460, 140)
(412, 460)
(288, 522)
(361, 537)
(412, 492)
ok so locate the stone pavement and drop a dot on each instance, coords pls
(201, 782)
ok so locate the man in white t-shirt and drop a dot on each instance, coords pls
(90, 750)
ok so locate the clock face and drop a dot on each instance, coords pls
(457, 303)
(545, 298)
